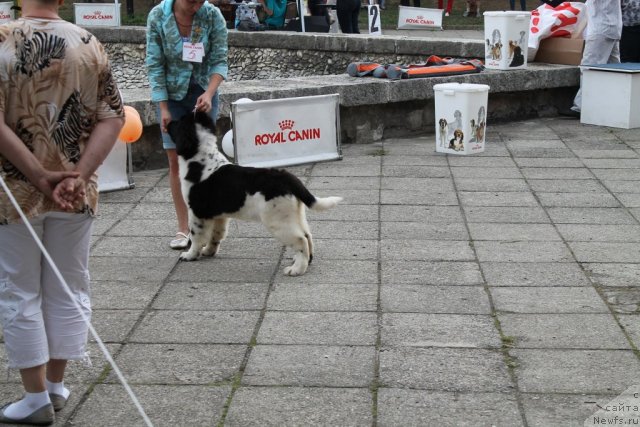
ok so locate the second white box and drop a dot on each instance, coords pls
(506, 39)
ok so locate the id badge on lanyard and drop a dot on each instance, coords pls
(192, 52)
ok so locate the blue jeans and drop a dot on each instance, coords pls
(185, 106)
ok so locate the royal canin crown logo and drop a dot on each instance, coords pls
(287, 134)
(97, 14)
(286, 124)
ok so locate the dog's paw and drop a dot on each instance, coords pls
(210, 250)
(292, 271)
(187, 256)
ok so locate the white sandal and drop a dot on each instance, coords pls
(180, 242)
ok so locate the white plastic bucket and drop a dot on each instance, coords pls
(461, 117)
(506, 39)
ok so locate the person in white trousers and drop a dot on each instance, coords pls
(602, 40)
(60, 111)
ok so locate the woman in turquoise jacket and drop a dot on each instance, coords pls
(186, 62)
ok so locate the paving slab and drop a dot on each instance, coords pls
(402, 298)
(422, 231)
(418, 197)
(415, 184)
(211, 296)
(497, 198)
(213, 327)
(431, 273)
(631, 324)
(590, 216)
(491, 184)
(122, 294)
(426, 250)
(426, 214)
(332, 271)
(279, 406)
(533, 274)
(416, 171)
(513, 232)
(614, 274)
(542, 299)
(575, 371)
(605, 251)
(629, 200)
(557, 173)
(600, 233)
(568, 186)
(519, 251)
(444, 369)
(131, 268)
(506, 214)
(398, 406)
(439, 330)
(588, 331)
(186, 364)
(482, 173)
(319, 328)
(310, 365)
(578, 200)
(114, 325)
(556, 409)
(166, 405)
(620, 300)
(352, 297)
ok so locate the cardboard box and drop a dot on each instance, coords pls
(559, 50)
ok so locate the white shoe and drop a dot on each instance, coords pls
(180, 242)
(446, 14)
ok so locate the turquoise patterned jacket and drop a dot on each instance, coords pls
(168, 74)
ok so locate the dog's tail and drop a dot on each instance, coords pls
(304, 195)
(324, 203)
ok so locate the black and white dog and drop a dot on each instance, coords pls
(216, 190)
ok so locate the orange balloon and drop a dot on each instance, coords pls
(132, 129)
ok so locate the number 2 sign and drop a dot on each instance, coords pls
(375, 28)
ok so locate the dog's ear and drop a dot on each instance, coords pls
(205, 120)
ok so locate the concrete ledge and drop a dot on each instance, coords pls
(366, 91)
(362, 43)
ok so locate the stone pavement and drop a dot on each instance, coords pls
(495, 289)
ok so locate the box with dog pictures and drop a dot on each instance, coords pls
(506, 39)
(461, 117)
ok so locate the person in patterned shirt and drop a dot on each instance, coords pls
(630, 39)
(60, 114)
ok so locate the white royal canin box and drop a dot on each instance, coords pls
(419, 18)
(6, 13)
(461, 117)
(97, 14)
(611, 95)
(506, 41)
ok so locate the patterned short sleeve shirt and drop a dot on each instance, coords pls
(55, 85)
(630, 13)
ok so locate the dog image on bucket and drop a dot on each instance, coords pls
(477, 127)
(494, 46)
(450, 132)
